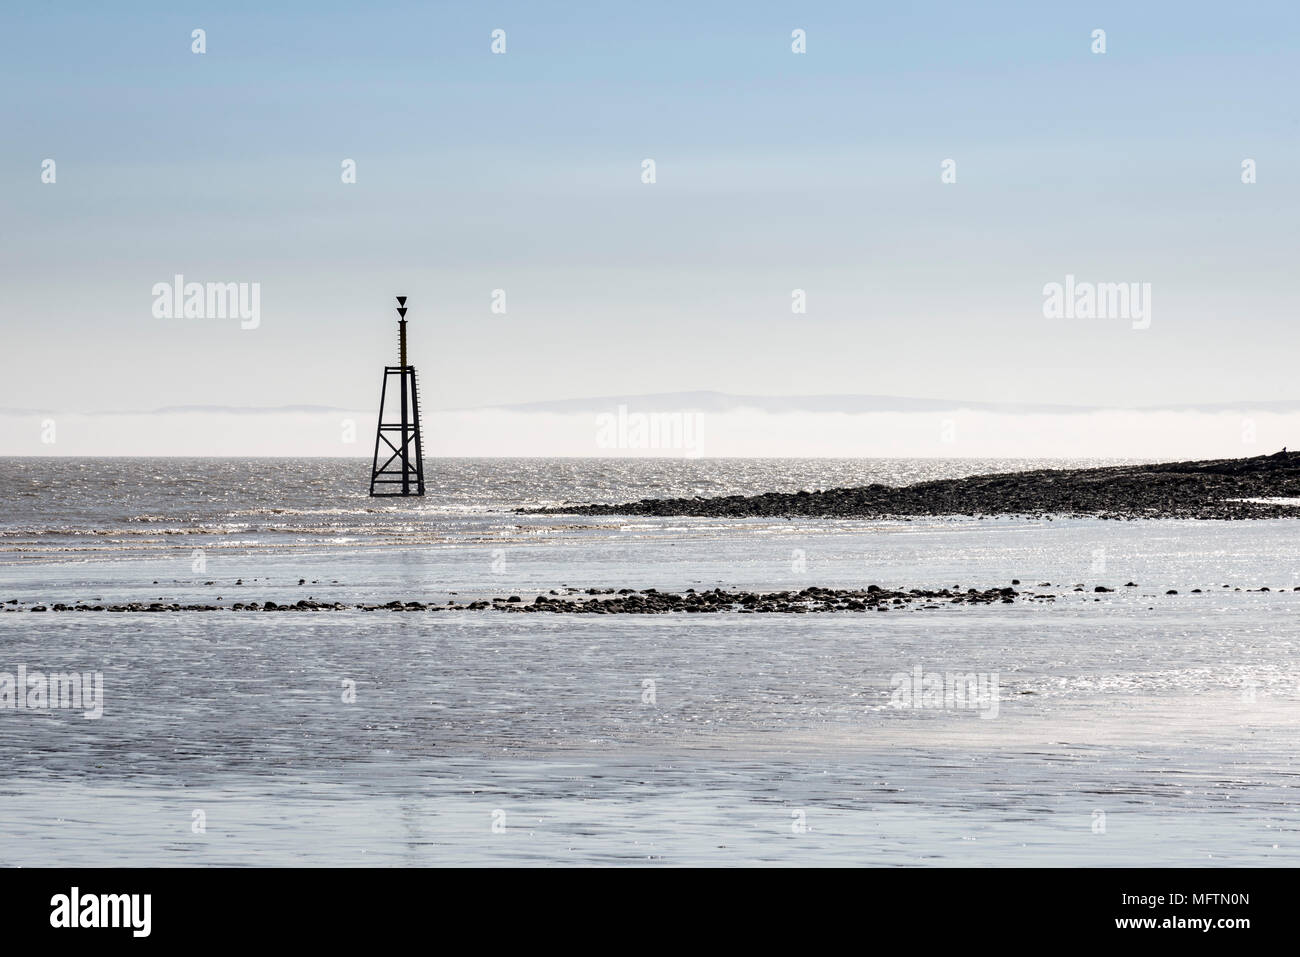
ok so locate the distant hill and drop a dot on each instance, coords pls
(720, 402)
(705, 401)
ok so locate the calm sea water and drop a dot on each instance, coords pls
(1133, 727)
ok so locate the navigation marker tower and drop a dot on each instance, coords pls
(402, 469)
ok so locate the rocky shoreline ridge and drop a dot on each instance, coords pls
(1211, 489)
(651, 601)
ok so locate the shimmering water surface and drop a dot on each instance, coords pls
(1133, 727)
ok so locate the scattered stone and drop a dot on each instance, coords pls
(650, 601)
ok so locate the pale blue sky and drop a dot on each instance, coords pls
(775, 171)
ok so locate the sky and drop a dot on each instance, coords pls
(522, 171)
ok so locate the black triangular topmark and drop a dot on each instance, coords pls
(402, 312)
(401, 300)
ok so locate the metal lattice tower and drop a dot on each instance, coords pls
(404, 467)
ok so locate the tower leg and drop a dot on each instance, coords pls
(379, 433)
(415, 430)
(406, 458)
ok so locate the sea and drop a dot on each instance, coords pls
(1129, 727)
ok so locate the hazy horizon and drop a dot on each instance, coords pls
(622, 431)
